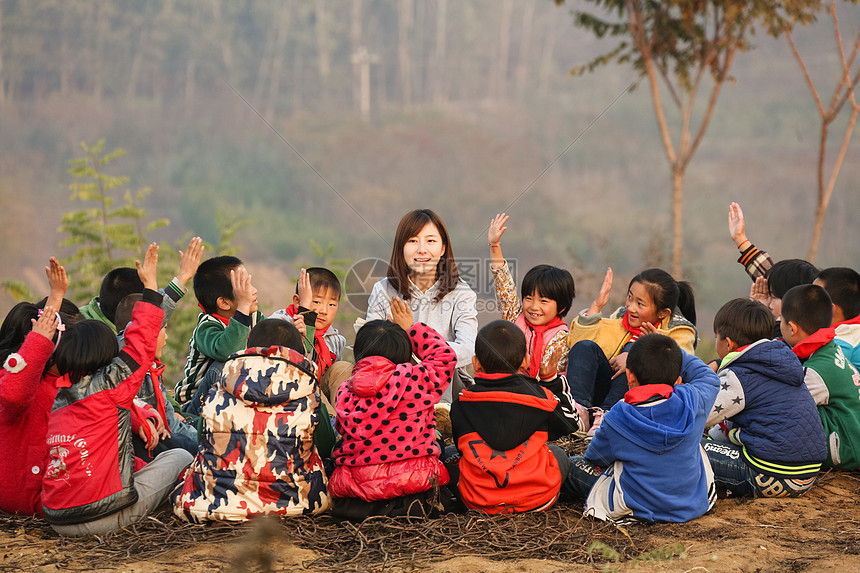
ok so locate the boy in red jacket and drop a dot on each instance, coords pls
(502, 424)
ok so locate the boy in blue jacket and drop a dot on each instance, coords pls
(646, 461)
(768, 440)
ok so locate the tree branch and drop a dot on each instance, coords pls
(805, 71)
(839, 97)
(634, 18)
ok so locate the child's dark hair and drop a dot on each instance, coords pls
(322, 279)
(15, 327)
(382, 338)
(666, 292)
(276, 332)
(212, 281)
(843, 286)
(744, 321)
(118, 284)
(553, 283)
(69, 311)
(808, 306)
(655, 359)
(85, 347)
(787, 274)
(500, 347)
(124, 309)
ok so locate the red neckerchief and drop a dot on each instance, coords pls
(640, 394)
(62, 381)
(634, 332)
(324, 357)
(155, 372)
(538, 344)
(806, 347)
(226, 321)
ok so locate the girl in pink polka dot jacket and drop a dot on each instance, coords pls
(385, 414)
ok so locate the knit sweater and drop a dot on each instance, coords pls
(25, 404)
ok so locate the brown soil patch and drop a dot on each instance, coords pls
(818, 532)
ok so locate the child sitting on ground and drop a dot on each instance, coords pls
(769, 440)
(843, 286)
(123, 281)
(646, 462)
(156, 426)
(316, 299)
(387, 462)
(502, 424)
(596, 364)
(832, 380)
(257, 453)
(547, 295)
(90, 486)
(224, 291)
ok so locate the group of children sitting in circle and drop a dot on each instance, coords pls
(270, 419)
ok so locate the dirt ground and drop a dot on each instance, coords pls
(818, 532)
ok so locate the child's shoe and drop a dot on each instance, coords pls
(596, 420)
(584, 417)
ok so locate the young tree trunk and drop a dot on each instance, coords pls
(499, 75)
(525, 44)
(134, 69)
(405, 23)
(323, 48)
(440, 91)
(355, 37)
(826, 192)
(545, 67)
(65, 59)
(264, 69)
(225, 33)
(677, 220)
(98, 64)
(2, 74)
(277, 62)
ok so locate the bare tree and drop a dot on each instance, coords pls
(677, 45)
(844, 93)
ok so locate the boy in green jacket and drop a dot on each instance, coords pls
(832, 380)
(224, 291)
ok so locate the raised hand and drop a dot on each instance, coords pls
(737, 229)
(400, 314)
(190, 260)
(243, 291)
(306, 295)
(58, 282)
(147, 271)
(47, 323)
(497, 229)
(603, 295)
